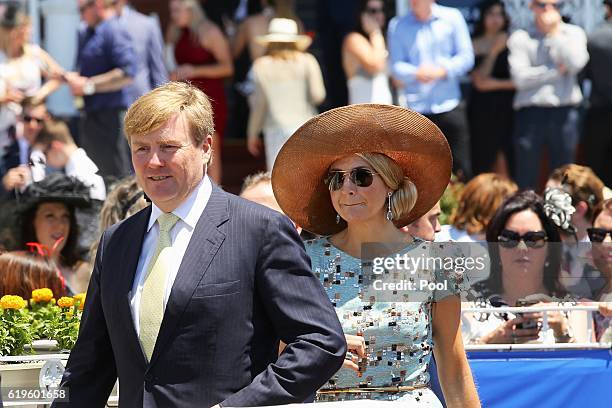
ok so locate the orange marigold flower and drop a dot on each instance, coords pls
(81, 299)
(65, 302)
(12, 302)
(42, 295)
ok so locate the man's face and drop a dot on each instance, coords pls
(89, 14)
(421, 8)
(262, 193)
(542, 7)
(33, 119)
(168, 163)
(426, 226)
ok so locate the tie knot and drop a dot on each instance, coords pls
(166, 221)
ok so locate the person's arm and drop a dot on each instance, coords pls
(52, 71)
(453, 368)
(240, 40)
(462, 61)
(303, 318)
(401, 67)
(213, 40)
(316, 86)
(258, 109)
(91, 371)
(158, 74)
(371, 55)
(524, 74)
(570, 50)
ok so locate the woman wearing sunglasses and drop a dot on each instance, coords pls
(354, 175)
(525, 252)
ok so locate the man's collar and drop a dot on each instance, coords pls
(191, 209)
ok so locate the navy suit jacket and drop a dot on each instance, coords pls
(244, 284)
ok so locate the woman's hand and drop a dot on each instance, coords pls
(556, 321)
(355, 350)
(508, 333)
(369, 24)
(254, 145)
(499, 43)
(185, 71)
(605, 308)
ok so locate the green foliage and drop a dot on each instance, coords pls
(450, 200)
(15, 332)
(64, 327)
(42, 314)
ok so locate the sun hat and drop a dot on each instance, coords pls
(284, 30)
(414, 142)
(55, 187)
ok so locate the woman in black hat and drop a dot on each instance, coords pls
(49, 227)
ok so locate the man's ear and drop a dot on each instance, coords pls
(207, 147)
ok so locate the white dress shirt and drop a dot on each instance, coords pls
(189, 213)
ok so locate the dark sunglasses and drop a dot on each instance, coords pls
(598, 234)
(28, 118)
(360, 176)
(374, 10)
(542, 5)
(511, 239)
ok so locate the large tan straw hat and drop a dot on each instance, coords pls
(284, 30)
(409, 138)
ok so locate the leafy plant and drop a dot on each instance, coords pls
(15, 328)
(64, 327)
(450, 199)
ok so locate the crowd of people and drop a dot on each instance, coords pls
(115, 211)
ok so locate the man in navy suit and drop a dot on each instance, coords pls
(189, 298)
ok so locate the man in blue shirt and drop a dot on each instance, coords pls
(149, 47)
(430, 49)
(107, 65)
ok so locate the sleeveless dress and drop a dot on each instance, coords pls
(366, 88)
(491, 120)
(398, 335)
(188, 51)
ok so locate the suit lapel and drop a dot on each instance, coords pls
(134, 232)
(203, 245)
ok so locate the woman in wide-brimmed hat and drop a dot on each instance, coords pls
(288, 88)
(354, 175)
(48, 225)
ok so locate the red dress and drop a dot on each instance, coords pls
(188, 51)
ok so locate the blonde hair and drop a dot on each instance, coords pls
(283, 50)
(197, 18)
(479, 201)
(155, 108)
(404, 194)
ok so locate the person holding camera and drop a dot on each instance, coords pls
(524, 247)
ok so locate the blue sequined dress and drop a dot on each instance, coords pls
(398, 335)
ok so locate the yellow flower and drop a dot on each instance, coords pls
(42, 295)
(65, 302)
(81, 299)
(12, 302)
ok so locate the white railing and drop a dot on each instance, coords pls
(548, 343)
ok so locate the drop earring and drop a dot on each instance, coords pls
(389, 213)
(337, 218)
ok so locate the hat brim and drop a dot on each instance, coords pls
(302, 42)
(73, 201)
(414, 142)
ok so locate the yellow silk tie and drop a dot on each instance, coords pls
(152, 296)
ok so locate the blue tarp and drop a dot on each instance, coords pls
(534, 379)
